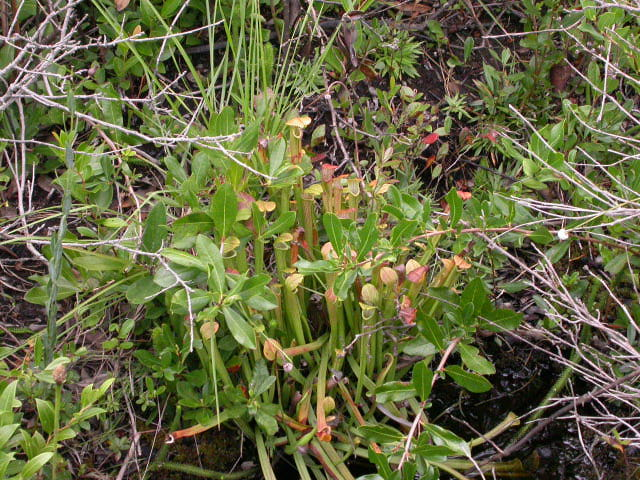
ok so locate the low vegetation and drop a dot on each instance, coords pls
(373, 240)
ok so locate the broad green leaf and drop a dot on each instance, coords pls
(475, 293)
(45, 414)
(97, 262)
(209, 253)
(474, 361)
(333, 227)
(455, 207)
(449, 439)
(282, 224)
(248, 287)
(201, 168)
(239, 328)
(432, 331)
(343, 283)
(224, 209)
(66, 434)
(261, 380)
(433, 453)
(403, 230)
(248, 141)
(183, 258)
(380, 433)
(6, 432)
(394, 392)
(382, 462)
(266, 301)
(186, 228)
(197, 299)
(319, 266)
(143, 291)
(169, 7)
(34, 465)
(368, 235)
(419, 346)
(8, 397)
(471, 381)
(155, 228)
(542, 236)
(503, 319)
(268, 422)
(555, 253)
(422, 380)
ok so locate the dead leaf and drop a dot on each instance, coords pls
(122, 4)
(407, 313)
(560, 75)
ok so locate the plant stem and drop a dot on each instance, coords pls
(201, 472)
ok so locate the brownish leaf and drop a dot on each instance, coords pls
(122, 4)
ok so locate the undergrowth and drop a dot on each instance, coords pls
(261, 214)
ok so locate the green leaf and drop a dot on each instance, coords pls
(455, 207)
(541, 235)
(471, 381)
(97, 262)
(239, 328)
(199, 299)
(343, 283)
(45, 414)
(474, 361)
(282, 224)
(476, 294)
(368, 235)
(268, 423)
(8, 397)
(155, 228)
(143, 291)
(333, 227)
(306, 267)
(394, 392)
(224, 209)
(6, 432)
(253, 286)
(34, 465)
(503, 319)
(169, 7)
(449, 439)
(261, 380)
(209, 252)
(265, 301)
(380, 460)
(433, 453)
(380, 434)
(422, 380)
(183, 258)
(432, 331)
(402, 230)
(555, 253)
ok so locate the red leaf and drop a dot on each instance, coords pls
(418, 275)
(431, 139)
(491, 136)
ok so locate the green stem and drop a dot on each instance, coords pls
(57, 403)
(201, 472)
(263, 456)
